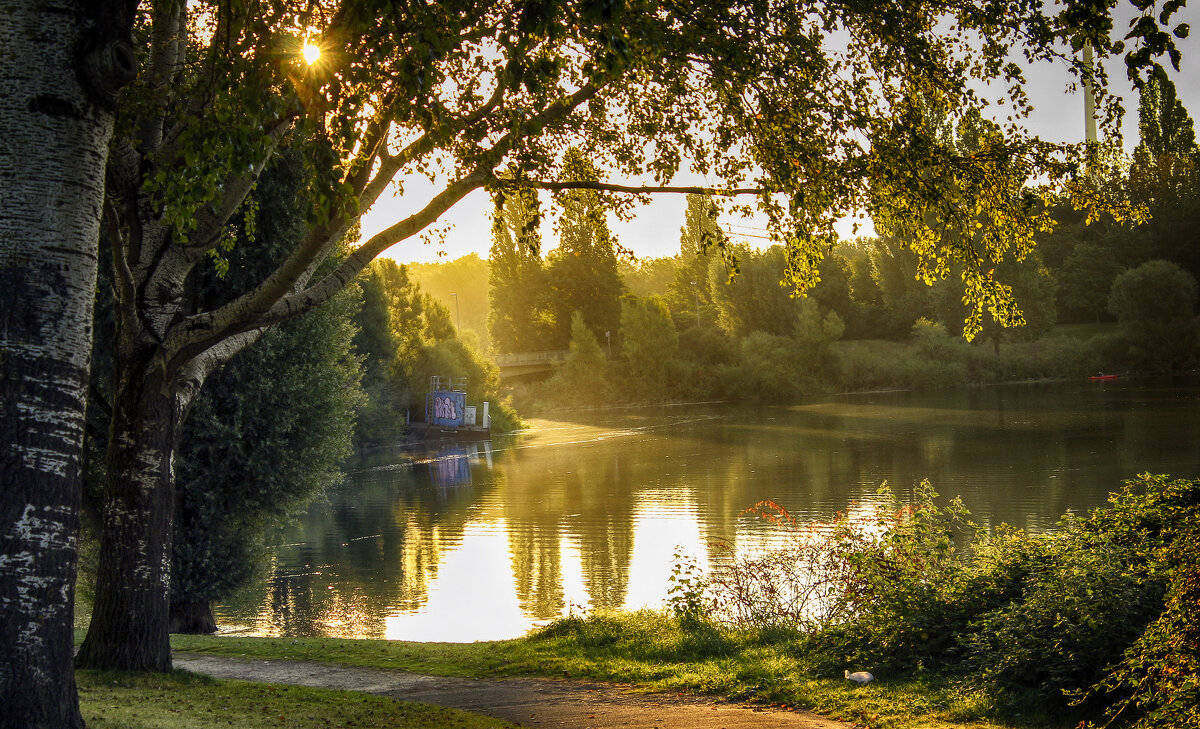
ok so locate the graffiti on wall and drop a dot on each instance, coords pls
(448, 408)
(444, 407)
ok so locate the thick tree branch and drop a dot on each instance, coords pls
(630, 189)
(168, 44)
(282, 295)
(483, 174)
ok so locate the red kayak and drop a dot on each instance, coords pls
(1095, 378)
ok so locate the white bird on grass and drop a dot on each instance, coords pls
(862, 677)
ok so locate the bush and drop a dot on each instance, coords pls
(1078, 607)
(1159, 675)
(1155, 305)
(798, 585)
(581, 380)
(1033, 620)
(768, 367)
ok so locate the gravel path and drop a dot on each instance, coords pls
(532, 702)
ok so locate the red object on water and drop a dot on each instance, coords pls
(1094, 378)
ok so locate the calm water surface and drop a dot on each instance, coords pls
(483, 541)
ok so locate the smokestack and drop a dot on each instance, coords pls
(1089, 96)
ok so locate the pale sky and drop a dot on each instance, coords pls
(466, 228)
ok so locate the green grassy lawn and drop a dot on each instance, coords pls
(653, 650)
(184, 701)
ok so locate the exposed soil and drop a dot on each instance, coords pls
(533, 702)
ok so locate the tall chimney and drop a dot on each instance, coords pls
(1089, 96)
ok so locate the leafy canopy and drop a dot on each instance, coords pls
(812, 106)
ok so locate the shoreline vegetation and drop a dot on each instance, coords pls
(931, 359)
(1092, 624)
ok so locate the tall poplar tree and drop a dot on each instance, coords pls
(701, 241)
(1165, 176)
(581, 271)
(516, 317)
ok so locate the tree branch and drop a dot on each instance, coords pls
(281, 296)
(167, 45)
(212, 219)
(629, 189)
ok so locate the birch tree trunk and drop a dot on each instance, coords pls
(130, 623)
(128, 631)
(54, 135)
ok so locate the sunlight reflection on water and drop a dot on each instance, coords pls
(483, 541)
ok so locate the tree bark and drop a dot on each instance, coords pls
(54, 134)
(129, 624)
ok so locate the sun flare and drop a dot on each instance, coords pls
(311, 53)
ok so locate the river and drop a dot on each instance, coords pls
(483, 541)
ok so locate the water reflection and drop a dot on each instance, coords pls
(481, 541)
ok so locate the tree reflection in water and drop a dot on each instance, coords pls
(476, 541)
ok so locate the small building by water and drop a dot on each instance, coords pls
(448, 415)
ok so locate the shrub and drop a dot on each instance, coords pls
(1032, 620)
(1159, 675)
(1077, 609)
(875, 589)
(1155, 304)
(581, 379)
(798, 585)
(769, 369)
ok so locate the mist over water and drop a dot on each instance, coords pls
(483, 541)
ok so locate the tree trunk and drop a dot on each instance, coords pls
(195, 618)
(130, 615)
(53, 148)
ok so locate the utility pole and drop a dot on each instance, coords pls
(457, 312)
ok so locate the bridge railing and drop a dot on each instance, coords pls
(550, 356)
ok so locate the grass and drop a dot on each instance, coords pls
(655, 651)
(1084, 331)
(185, 701)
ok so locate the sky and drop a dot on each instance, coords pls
(654, 232)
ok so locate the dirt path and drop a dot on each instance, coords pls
(533, 702)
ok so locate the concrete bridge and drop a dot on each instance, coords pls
(515, 365)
